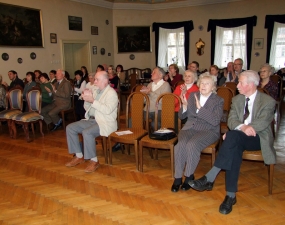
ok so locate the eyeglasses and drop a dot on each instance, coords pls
(237, 64)
(263, 71)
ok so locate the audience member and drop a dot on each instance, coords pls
(13, 76)
(79, 87)
(85, 73)
(157, 87)
(265, 72)
(214, 71)
(61, 94)
(113, 78)
(91, 84)
(2, 95)
(234, 70)
(46, 88)
(67, 76)
(120, 73)
(100, 68)
(30, 78)
(101, 115)
(229, 74)
(37, 75)
(204, 110)
(173, 75)
(52, 78)
(249, 122)
(194, 67)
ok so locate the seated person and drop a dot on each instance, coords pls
(265, 72)
(249, 122)
(204, 110)
(194, 67)
(154, 89)
(173, 75)
(61, 92)
(46, 88)
(30, 78)
(100, 68)
(37, 75)
(2, 95)
(79, 86)
(85, 73)
(52, 78)
(91, 84)
(113, 78)
(101, 119)
(214, 71)
(13, 76)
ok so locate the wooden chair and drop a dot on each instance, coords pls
(34, 99)
(135, 107)
(212, 149)
(15, 99)
(231, 85)
(167, 121)
(257, 156)
(178, 83)
(132, 80)
(70, 110)
(137, 88)
(278, 80)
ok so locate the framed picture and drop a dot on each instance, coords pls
(134, 39)
(94, 30)
(94, 50)
(22, 26)
(258, 43)
(53, 38)
(75, 23)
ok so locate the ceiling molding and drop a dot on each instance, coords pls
(157, 6)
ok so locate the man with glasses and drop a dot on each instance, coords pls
(234, 69)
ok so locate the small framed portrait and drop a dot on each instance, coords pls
(258, 43)
(94, 30)
(75, 23)
(94, 50)
(53, 38)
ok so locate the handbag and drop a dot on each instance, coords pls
(163, 134)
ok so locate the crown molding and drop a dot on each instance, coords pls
(157, 6)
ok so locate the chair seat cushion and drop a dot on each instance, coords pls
(9, 114)
(137, 133)
(28, 117)
(157, 142)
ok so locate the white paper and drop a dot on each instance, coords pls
(163, 131)
(119, 133)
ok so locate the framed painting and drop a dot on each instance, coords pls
(53, 38)
(134, 39)
(258, 43)
(94, 30)
(20, 26)
(75, 23)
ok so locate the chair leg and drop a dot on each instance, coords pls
(270, 178)
(150, 153)
(156, 153)
(41, 127)
(110, 151)
(136, 154)
(12, 128)
(141, 156)
(105, 149)
(26, 130)
(63, 120)
(213, 156)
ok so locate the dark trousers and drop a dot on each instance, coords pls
(230, 155)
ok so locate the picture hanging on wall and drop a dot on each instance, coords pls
(20, 26)
(94, 30)
(75, 23)
(134, 39)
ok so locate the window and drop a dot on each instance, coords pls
(277, 53)
(230, 44)
(171, 48)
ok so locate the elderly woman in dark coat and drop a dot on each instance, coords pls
(204, 110)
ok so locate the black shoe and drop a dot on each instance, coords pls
(175, 188)
(116, 147)
(56, 127)
(185, 186)
(201, 184)
(227, 205)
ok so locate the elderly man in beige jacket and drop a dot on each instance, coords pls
(100, 119)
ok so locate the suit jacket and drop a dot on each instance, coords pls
(262, 116)
(105, 110)
(62, 95)
(209, 116)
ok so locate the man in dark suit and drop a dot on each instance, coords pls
(250, 129)
(61, 100)
(13, 76)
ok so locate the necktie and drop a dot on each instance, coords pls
(246, 111)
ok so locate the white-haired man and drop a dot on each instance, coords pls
(249, 121)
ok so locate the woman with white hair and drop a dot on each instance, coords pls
(265, 72)
(204, 110)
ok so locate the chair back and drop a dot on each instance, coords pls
(231, 85)
(262, 90)
(227, 94)
(133, 80)
(167, 111)
(136, 103)
(278, 80)
(137, 88)
(15, 98)
(178, 83)
(34, 99)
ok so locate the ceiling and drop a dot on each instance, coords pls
(150, 4)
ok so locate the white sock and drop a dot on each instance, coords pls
(94, 159)
(79, 155)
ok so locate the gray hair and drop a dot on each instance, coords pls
(252, 76)
(92, 74)
(210, 77)
(240, 59)
(270, 68)
(160, 71)
(193, 74)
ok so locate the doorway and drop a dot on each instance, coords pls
(76, 54)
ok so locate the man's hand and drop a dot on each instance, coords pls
(88, 98)
(4, 83)
(145, 90)
(248, 130)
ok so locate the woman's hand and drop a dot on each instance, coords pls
(198, 105)
(183, 89)
(47, 89)
(183, 100)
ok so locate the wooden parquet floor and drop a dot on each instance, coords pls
(36, 188)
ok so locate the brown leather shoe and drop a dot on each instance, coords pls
(75, 161)
(92, 166)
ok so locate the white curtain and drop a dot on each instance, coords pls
(163, 48)
(277, 58)
(230, 44)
